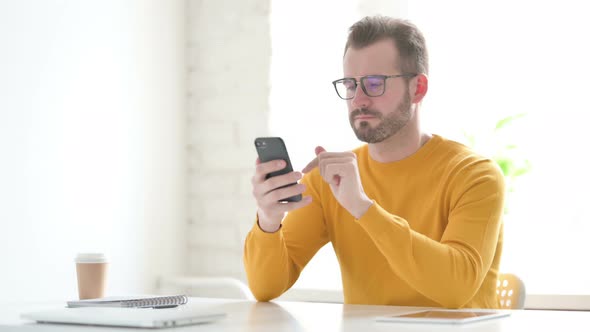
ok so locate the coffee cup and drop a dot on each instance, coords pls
(91, 270)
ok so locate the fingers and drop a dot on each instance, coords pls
(261, 189)
(327, 155)
(314, 163)
(323, 158)
(274, 197)
(269, 192)
(262, 169)
(319, 149)
(333, 166)
(336, 160)
(333, 173)
(270, 205)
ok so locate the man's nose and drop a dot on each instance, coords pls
(360, 100)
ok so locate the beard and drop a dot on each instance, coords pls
(389, 125)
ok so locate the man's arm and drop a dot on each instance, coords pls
(273, 261)
(451, 271)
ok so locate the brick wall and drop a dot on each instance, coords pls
(228, 88)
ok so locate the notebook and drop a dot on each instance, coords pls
(132, 302)
(129, 317)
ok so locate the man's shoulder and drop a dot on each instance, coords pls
(451, 147)
(461, 157)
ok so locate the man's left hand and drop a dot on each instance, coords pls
(340, 171)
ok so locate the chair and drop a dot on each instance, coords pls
(220, 287)
(511, 291)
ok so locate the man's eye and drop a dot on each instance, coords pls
(374, 84)
(349, 85)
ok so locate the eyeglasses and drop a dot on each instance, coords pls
(372, 85)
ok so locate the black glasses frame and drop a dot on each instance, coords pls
(362, 83)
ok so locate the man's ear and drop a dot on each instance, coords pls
(421, 88)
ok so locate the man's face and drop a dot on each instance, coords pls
(374, 119)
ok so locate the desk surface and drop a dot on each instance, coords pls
(307, 316)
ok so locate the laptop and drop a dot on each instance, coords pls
(129, 317)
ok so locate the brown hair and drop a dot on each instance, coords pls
(406, 36)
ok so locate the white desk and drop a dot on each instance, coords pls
(305, 316)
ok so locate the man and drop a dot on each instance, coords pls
(414, 219)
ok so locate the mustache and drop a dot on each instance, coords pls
(365, 111)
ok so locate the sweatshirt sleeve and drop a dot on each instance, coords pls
(450, 271)
(273, 261)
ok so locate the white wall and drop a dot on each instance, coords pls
(92, 142)
(229, 63)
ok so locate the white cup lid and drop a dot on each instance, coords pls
(91, 258)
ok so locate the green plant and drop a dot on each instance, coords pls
(500, 145)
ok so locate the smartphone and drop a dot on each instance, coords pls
(273, 148)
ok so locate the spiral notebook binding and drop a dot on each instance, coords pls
(164, 301)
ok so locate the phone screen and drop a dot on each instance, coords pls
(274, 148)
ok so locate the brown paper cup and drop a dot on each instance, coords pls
(91, 270)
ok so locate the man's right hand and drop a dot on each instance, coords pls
(270, 211)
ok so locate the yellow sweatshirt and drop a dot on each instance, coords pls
(433, 236)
